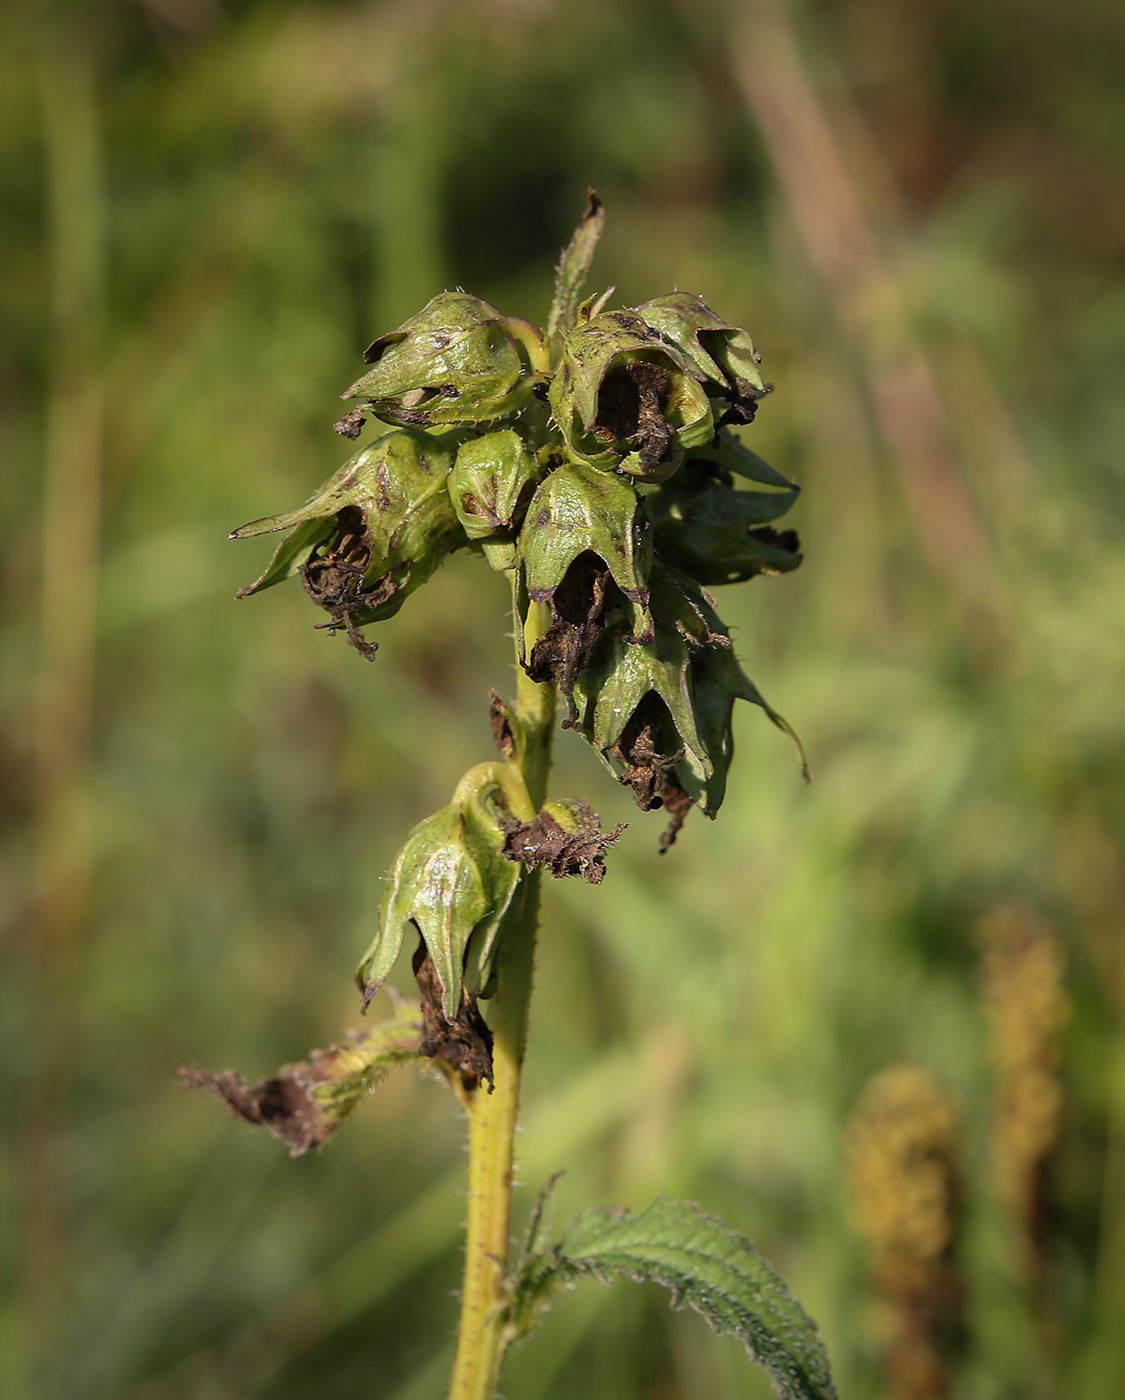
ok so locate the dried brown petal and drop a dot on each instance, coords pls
(641, 750)
(632, 402)
(281, 1104)
(743, 408)
(304, 1103)
(546, 841)
(577, 606)
(333, 578)
(465, 1043)
(351, 425)
(677, 804)
(500, 718)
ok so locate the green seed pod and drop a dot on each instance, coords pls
(577, 509)
(722, 354)
(490, 485)
(585, 549)
(628, 687)
(452, 882)
(372, 534)
(660, 715)
(457, 361)
(626, 400)
(716, 534)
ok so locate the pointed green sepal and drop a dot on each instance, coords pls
(717, 534)
(291, 554)
(723, 354)
(375, 531)
(716, 681)
(725, 450)
(617, 689)
(660, 715)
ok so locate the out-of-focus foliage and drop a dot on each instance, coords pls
(208, 211)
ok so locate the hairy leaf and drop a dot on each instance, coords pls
(575, 264)
(707, 1266)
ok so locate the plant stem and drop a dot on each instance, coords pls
(483, 1336)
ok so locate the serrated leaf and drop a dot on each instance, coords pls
(708, 1267)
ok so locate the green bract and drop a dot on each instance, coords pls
(726, 451)
(723, 355)
(489, 485)
(372, 534)
(451, 882)
(457, 361)
(719, 535)
(626, 400)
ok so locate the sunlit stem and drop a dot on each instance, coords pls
(483, 1333)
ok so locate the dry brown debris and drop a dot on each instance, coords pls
(465, 1043)
(545, 841)
(577, 608)
(632, 402)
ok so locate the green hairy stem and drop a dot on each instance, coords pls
(484, 1331)
(595, 465)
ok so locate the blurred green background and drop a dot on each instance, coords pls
(209, 208)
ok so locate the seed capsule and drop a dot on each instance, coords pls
(660, 715)
(457, 361)
(578, 509)
(490, 485)
(452, 882)
(627, 400)
(372, 534)
(585, 549)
